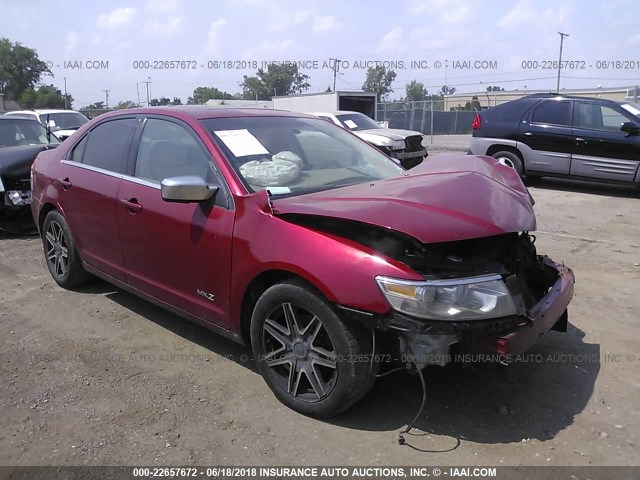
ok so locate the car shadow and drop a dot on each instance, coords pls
(580, 186)
(533, 399)
(190, 331)
(6, 235)
(484, 403)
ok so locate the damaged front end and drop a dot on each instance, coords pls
(15, 205)
(491, 295)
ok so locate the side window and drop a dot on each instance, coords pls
(170, 150)
(108, 145)
(598, 117)
(78, 150)
(552, 112)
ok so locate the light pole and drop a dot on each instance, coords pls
(562, 35)
(65, 93)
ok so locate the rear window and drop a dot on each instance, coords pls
(108, 145)
(512, 111)
(552, 112)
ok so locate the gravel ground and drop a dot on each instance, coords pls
(98, 376)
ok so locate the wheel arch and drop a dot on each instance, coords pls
(44, 211)
(258, 286)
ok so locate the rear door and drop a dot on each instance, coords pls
(602, 150)
(546, 130)
(88, 182)
(178, 253)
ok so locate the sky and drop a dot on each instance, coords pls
(468, 44)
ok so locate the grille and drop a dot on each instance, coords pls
(414, 143)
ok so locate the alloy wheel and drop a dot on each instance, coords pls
(299, 352)
(57, 252)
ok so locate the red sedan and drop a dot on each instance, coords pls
(290, 233)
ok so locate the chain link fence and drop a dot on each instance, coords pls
(426, 117)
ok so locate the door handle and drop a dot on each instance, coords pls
(66, 184)
(528, 134)
(580, 140)
(132, 205)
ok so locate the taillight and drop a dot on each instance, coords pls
(477, 122)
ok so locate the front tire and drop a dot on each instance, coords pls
(60, 252)
(313, 361)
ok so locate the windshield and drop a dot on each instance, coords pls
(633, 108)
(23, 132)
(64, 120)
(293, 156)
(357, 121)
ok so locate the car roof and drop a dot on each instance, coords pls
(202, 112)
(17, 118)
(43, 111)
(568, 97)
(337, 112)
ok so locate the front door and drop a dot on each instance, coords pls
(177, 253)
(602, 150)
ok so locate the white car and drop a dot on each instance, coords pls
(61, 122)
(407, 146)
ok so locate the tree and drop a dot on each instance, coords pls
(446, 90)
(415, 91)
(278, 79)
(159, 102)
(20, 69)
(176, 101)
(379, 81)
(473, 105)
(47, 96)
(95, 109)
(125, 104)
(202, 94)
(494, 88)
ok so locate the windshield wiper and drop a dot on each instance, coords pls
(351, 181)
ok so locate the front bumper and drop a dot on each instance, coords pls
(17, 198)
(548, 312)
(429, 341)
(401, 154)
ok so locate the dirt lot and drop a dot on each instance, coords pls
(99, 376)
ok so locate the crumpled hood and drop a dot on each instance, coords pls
(392, 133)
(446, 198)
(15, 162)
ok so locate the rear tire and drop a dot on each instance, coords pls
(313, 361)
(510, 159)
(60, 252)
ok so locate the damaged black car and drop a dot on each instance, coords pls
(21, 140)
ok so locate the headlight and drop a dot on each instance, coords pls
(473, 298)
(398, 145)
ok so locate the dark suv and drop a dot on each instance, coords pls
(562, 136)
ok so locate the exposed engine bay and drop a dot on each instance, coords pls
(511, 255)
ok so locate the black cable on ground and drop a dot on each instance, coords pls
(401, 439)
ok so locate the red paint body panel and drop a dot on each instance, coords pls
(172, 250)
(545, 313)
(342, 270)
(445, 199)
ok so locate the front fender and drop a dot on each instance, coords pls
(342, 270)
